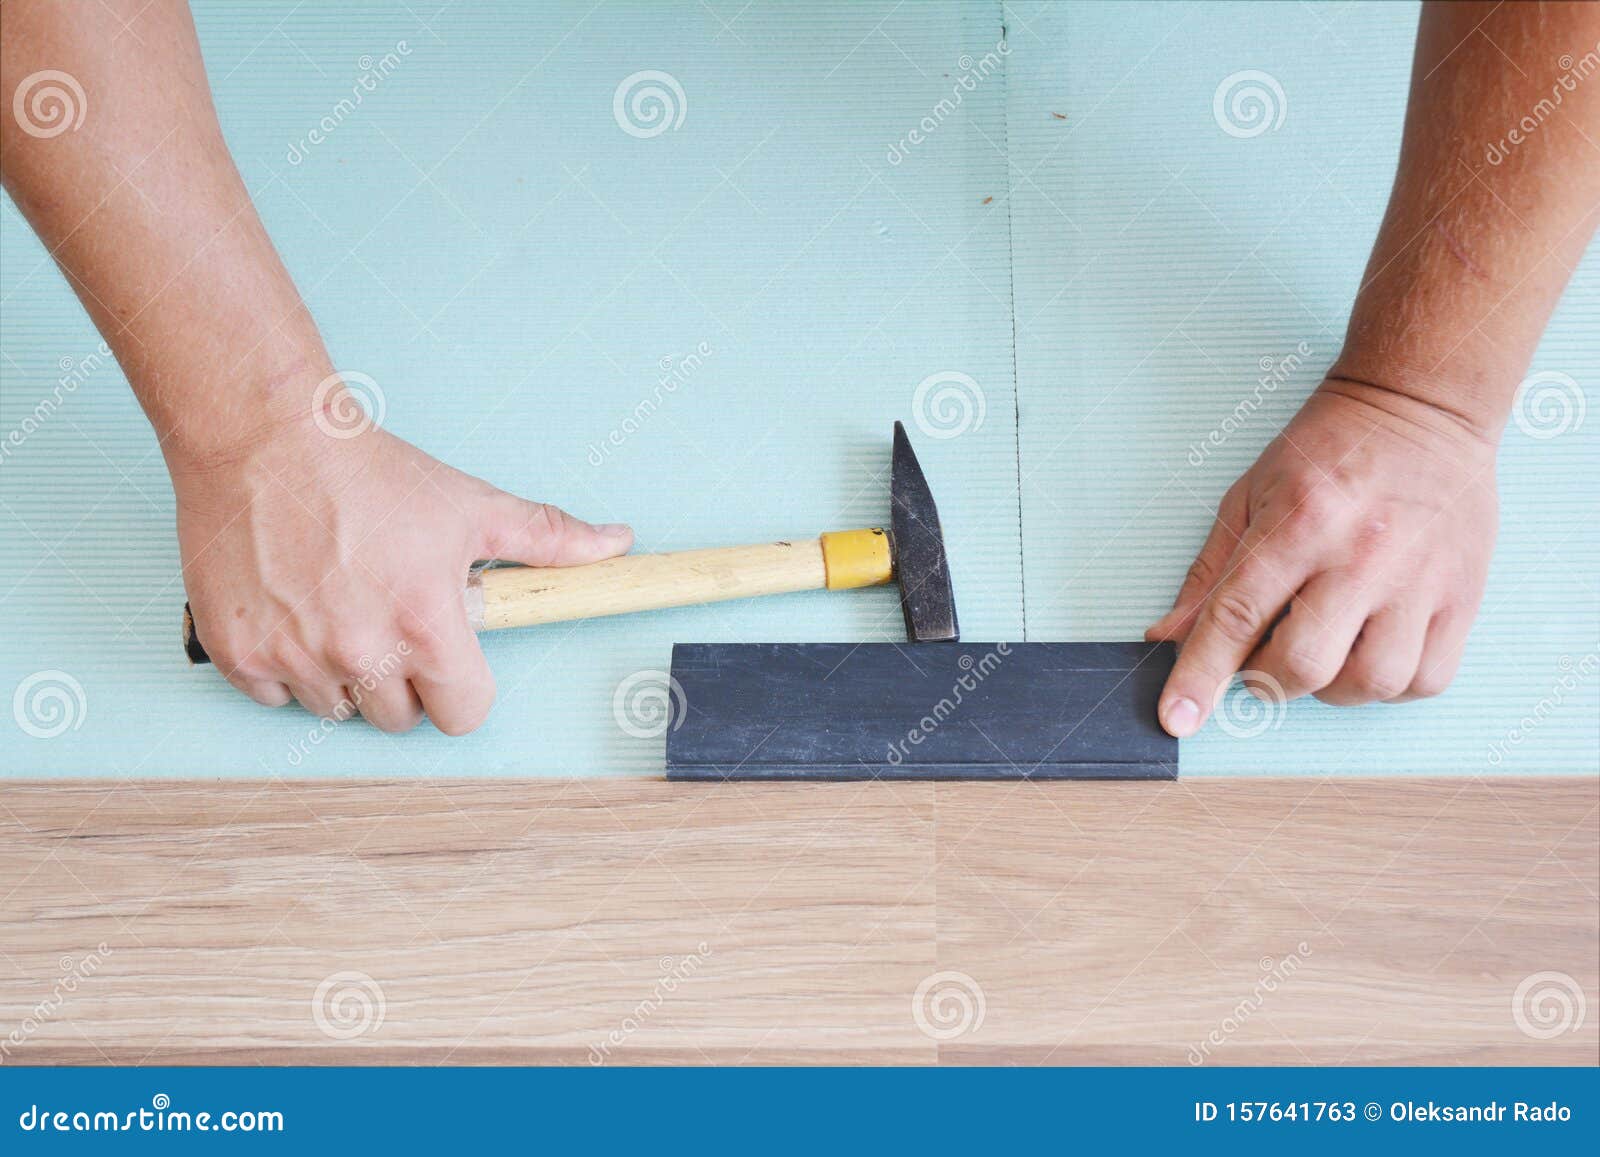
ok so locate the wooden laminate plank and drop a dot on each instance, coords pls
(1251, 921)
(494, 920)
(563, 921)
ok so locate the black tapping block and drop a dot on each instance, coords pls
(853, 711)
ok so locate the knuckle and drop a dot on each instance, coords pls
(424, 648)
(463, 719)
(393, 723)
(245, 661)
(348, 659)
(468, 708)
(1234, 615)
(1372, 539)
(548, 520)
(269, 694)
(1374, 531)
(325, 702)
(266, 693)
(1310, 495)
(1201, 574)
(233, 660)
(410, 612)
(281, 653)
(1381, 684)
(1427, 684)
(1310, 508)
(1309, 668)
(461, 723)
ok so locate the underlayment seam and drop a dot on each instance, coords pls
(1011, 279)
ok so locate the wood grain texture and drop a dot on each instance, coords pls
(635, 921)
(526, 596)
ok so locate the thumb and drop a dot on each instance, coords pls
(537, 534)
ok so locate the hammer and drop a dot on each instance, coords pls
(911, 550)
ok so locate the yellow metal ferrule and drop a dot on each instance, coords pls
(856, 558)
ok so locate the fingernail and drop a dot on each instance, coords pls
(1181, 717)
(614, 529)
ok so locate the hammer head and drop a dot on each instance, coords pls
(917, 542)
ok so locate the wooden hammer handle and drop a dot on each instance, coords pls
(522, 596)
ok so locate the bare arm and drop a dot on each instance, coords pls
(1371, 518)
(1482, 233)
(147, 217)
(314, 547)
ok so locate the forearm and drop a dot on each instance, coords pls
(1484, 225)
(147, 217)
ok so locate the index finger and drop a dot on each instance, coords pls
(1230, 624)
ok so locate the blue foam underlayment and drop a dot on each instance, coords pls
(483, 239)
